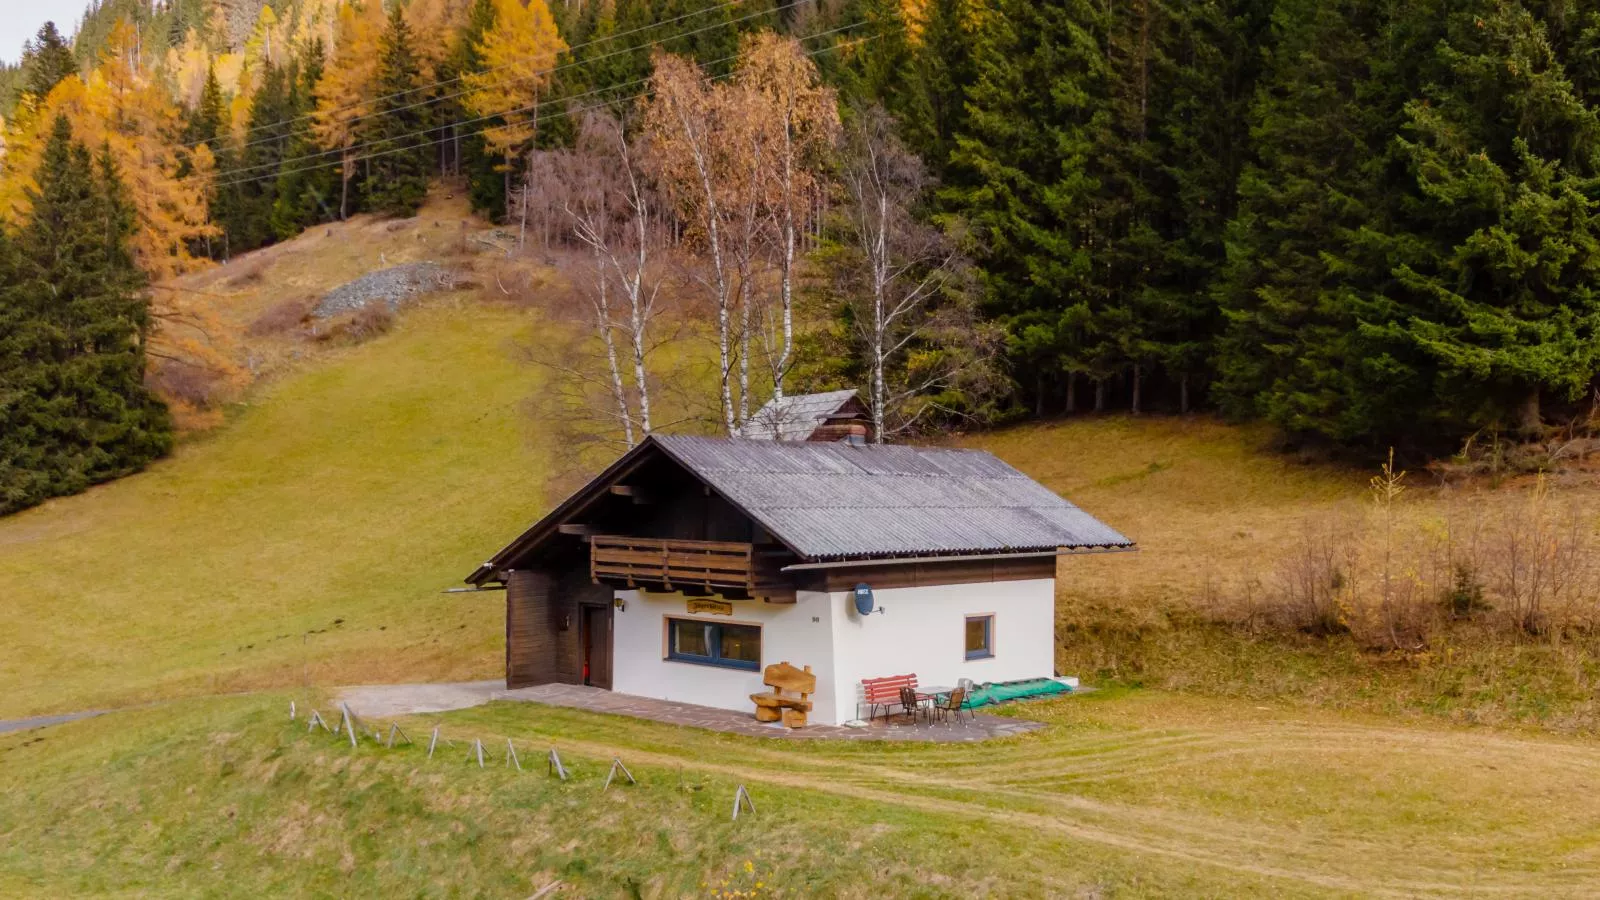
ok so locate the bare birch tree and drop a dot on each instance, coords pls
(906, 285)
(613, 216)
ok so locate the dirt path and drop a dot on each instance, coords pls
(43, 721)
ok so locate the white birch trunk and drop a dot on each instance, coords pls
(603, 322)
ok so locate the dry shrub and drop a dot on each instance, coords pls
(1393, 574)
(1310, 581)
(187, 384)
(370, 321)
(1541, 565)
(280, 318)
(367, 323)
(250, 271)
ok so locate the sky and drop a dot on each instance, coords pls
(20, 19)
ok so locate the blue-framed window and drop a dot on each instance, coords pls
(980, 637)
(714, 643)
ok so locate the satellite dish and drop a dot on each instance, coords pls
(864, 599)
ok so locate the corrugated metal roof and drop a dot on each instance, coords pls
(794, 417)
(835, 501)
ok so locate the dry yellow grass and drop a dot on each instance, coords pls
(1218, 517)
(226, 302)
(1205, 501)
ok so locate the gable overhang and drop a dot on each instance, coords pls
(538, 533)
(584, 498)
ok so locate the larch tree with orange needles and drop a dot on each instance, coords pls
(346, 91)
(517, 58)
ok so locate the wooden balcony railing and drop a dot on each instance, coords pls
(672, 564)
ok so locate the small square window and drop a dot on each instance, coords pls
(980, 637)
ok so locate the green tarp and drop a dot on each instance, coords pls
(1001, 691)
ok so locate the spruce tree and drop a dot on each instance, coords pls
(703, 30)
(944, 72)
(876, 73)
(307, 188)
(1021, 178)
(1500, 258)
(208, 123)
(267, 138)
(1296, 287)
(400, 160)
(46, 61)
(74, 410)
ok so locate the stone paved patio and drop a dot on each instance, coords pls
(386, 700)
(969, 728)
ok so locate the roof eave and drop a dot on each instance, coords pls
(832, 561)
(584, 495)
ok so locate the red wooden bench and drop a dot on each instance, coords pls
(885, 692)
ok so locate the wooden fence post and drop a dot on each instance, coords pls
(616, 765)
(349, 723)
(744, 795)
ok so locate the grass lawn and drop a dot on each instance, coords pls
(306, 541)
(1125, 794)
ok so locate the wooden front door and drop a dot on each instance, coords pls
(596, 642)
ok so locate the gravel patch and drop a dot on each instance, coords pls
(392, 286)
(384, 700)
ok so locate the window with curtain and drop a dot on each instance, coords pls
(980, 637)
(714, 643)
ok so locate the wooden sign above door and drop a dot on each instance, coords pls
(702, 606)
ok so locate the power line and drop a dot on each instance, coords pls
(528, 77)
(582, 109)
(600, 40)
(436, 142)
(340, 151)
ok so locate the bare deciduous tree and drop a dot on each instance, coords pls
(740, 162)
(907, 282)
(611, 212)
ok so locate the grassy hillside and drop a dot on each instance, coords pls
(307, 540)
(1125, 795)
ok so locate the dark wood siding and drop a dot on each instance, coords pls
(531, 635)
(574, 587)
(542, 629)
(922, 574)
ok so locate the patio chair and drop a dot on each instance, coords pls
(952, 704)
(915, 705)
